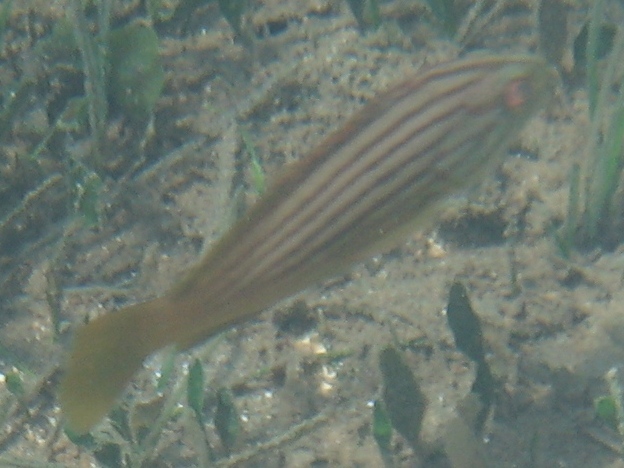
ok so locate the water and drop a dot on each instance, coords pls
(85, 232)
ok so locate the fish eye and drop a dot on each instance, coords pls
(516, 93)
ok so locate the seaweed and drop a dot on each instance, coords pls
(403, 398)
(382, 428)
(445, 13)
(609, 408)
(258, 177)
(366, 13)
(226, 419)
(136, 75)
(593, 218)
(466, 328)
(94, 67)
(402, 405)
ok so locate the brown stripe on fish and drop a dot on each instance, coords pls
(355, 167)
(349, 166)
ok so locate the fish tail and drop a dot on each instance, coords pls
(105, 355)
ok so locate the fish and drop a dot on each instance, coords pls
(385, 173)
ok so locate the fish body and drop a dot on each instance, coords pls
(365, 187)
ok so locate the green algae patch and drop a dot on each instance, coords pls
(136, 74)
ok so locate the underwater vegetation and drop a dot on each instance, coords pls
(595, 204)
(136, 75)
(402, 404)
(609, 408)
(104, 129)
(113, 69)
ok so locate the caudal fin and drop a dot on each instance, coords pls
(106, 353)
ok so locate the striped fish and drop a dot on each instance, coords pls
(359, 192)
